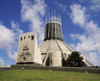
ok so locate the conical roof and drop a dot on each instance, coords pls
(54, 51)
(55, 45)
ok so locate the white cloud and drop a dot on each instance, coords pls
(6, 37)
(78, 14)
(16, 29)
(9, 39)
(95, 6)
(94, 58)
(12, 54)
(1, 61)
(92, 5)
(90, 40)
(15, 26)
(34, 13)
(62, 7)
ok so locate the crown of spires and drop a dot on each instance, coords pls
(53, 29)
(53, 17)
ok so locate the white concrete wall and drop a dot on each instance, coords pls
(33, 48)
(56, 59)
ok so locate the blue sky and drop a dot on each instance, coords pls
(80, 25)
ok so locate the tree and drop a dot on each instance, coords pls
(75, 60)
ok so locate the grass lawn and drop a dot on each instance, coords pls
(42, 75)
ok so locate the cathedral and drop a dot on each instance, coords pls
(52, 52)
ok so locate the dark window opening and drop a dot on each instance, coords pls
(32, 37)
(63, 62)
(48, 61)
(28, 36)
(43, 53)
(65, 54)
(21, 39)
(24, 37)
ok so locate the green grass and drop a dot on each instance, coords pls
(40, 75)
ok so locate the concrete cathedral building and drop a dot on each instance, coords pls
(52, 52)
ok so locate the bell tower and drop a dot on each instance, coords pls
(28, 51)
